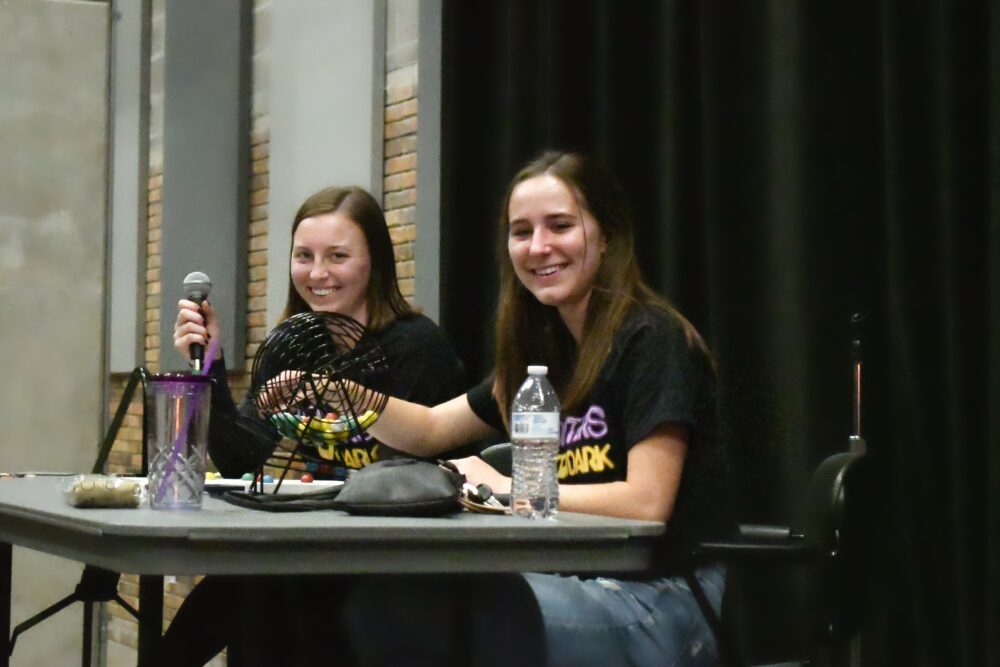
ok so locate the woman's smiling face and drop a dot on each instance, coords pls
(555, 244)
(330, 265)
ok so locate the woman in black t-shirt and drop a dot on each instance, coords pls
(638, 420)
(341, 261)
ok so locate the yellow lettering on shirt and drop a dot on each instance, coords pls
(356, 457)
(361, 456)
(328, 452)
(584, 459)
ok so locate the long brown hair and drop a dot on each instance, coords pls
(528, 332)
(384, 300)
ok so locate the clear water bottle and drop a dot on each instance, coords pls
(534, 435)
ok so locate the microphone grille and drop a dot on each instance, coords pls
(196, 285)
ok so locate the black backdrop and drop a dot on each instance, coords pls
(788, 163)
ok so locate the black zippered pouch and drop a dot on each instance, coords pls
(392, 487)
(402, 487)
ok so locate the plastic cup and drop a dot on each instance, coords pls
(177, 447)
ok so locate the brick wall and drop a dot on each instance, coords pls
(257, 245)
(400, 168)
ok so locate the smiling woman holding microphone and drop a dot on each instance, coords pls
(341, 261)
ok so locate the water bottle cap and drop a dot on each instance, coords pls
(538, 370)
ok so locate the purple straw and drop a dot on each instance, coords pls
(213, 346)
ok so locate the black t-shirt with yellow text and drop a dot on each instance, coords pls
(653, 375)
(423, 369)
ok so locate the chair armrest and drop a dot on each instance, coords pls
(755, 541)
(500, 457)
(761, 532)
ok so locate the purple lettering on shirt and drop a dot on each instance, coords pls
(591, 426)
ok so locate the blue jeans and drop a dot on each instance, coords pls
(610, 622)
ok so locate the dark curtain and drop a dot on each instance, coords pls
(789, 164)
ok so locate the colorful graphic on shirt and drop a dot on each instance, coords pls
(331, 437)
(591, 426)
(359, 451)
(581, 451)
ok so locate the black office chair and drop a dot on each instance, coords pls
(96, 584)
(794, 594)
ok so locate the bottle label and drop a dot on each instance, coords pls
(530, 425)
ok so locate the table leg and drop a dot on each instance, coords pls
(5, 569)
(88, 633)
(150, 616)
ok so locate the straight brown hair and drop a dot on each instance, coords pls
(528, 332)
(384, 300)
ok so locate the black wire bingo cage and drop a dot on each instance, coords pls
(315, 381)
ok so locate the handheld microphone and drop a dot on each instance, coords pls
(196, 288)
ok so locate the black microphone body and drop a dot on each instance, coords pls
(196, 288)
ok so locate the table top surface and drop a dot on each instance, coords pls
(225, 539)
